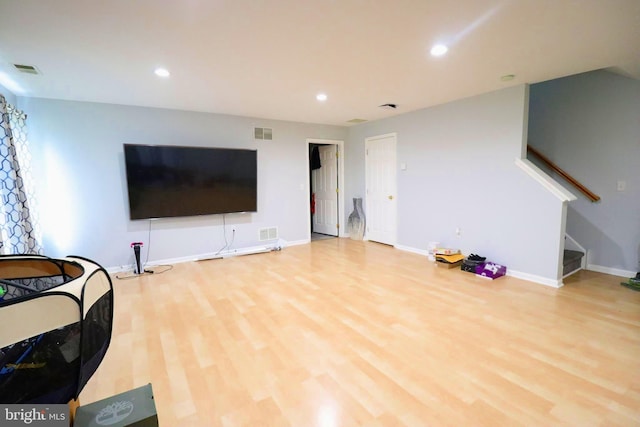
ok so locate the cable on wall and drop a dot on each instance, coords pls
(227, 245)
(148, 244)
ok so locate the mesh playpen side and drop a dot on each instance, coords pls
(56, 320)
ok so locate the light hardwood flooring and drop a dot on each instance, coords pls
(347, 333)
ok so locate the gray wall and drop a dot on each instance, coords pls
(461, 174)
(589, 124)
(80, 177)
(10, 97)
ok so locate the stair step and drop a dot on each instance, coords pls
(570, 256)
(571, 261)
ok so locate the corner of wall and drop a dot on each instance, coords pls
(525, 123)
(9, 95)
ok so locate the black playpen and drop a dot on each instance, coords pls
(55, 326)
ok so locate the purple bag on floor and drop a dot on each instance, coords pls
(491, 270)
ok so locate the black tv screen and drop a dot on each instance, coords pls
(172, 181)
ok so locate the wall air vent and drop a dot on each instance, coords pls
(270, 233)
(265, 134)
(29, 69)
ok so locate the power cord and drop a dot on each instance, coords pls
(227, 245)
(145, 273)
(146, 261)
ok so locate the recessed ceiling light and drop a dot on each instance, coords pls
(507, 77)
(162, 72)
(321, 97)
(439, 50)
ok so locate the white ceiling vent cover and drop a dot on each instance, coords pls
(29, 69)
(265, 134)
(270, 233)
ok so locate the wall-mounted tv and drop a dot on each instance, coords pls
(174, 181)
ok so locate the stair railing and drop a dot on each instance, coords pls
(571, 180)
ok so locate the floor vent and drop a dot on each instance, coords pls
(270, 233)
(264, 134)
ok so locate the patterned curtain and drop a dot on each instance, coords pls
(17, 222)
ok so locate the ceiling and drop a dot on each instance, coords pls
(269, 58)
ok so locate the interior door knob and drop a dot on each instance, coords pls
(390, 197)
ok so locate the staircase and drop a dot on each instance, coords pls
(574, 258)
(572, 262)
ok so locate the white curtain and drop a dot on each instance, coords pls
(17, 221)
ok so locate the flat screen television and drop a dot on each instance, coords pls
(173, 181)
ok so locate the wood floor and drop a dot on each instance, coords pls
(347, 333)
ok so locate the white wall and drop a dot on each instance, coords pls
(461, 174)
(589, 125)
(79, 167)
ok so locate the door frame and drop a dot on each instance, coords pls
(395, 190)
(341, 186)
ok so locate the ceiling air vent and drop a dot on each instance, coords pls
(389, 106)
(356, 121)
(265, 134)
(29, 69)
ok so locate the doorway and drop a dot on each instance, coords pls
(326, 181)
(381, 184)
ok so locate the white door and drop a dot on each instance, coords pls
(324, 184)
(381, 201)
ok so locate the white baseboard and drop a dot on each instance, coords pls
(119, 269)
(298, 242)
(266, 248)
(412, 250)
(209, 256)
(513, 273)
(612, 271)
(554, 283)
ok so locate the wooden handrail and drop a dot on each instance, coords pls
(584, 190)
